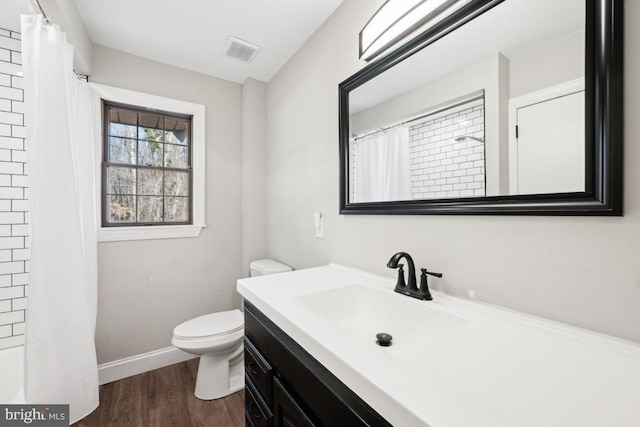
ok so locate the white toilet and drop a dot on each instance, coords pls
(217, 338)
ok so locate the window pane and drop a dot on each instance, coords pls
(121, 208)
(119, 129)
(123, 117)
(150, 134)
(176, 131)
(151, 121)
(150, 127)
(176, 209)
(176, 156)
(150, 153)
(176, 183)
(121, 180)
(122, 150)
(149, 209)
(149, 182)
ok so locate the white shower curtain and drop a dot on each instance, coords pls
(382, 166)
(60, 356)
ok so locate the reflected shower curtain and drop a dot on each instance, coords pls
(60, 356)
(382, 166)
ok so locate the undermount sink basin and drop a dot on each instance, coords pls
(363, 311)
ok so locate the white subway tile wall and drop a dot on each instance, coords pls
(14, 241)
(442, 167)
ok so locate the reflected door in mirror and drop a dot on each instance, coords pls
(550, 146)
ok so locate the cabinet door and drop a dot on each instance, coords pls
(286, 411)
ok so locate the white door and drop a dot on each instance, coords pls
(550, 145)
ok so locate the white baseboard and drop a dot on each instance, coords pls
(134, 365)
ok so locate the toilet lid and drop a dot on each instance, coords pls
(208, 325)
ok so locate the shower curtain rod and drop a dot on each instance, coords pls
(37, 4)
(473, 97)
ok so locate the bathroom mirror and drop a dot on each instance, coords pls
(504, 107)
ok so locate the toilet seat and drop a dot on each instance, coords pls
(210, 325)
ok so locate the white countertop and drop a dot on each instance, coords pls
(497, 368)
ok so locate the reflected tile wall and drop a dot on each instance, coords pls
(442, 167)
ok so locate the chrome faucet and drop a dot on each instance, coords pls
(410, 288)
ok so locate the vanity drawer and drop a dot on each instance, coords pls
(258, 369)
(256, 411)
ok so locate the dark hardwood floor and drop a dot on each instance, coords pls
(163, 397)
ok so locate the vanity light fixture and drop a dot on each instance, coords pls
(397, 19)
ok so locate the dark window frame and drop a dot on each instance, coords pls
(106, 164)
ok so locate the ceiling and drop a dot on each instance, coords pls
(10, 11)
(191, 33)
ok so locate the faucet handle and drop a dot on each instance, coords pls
(424, 271)
(423, 292)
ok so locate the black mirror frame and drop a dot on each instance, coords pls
(603, 120)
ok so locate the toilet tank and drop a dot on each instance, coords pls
(262, 267)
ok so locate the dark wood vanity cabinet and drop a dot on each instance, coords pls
(286, 386)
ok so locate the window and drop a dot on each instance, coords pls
(152, 105)
(146, 177)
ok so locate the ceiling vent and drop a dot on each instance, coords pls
(240, 49)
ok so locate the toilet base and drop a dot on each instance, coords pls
(220, 375)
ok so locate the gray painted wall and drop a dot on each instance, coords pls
(254, 172)
(557, 63)
(191, 277)
(582, 271)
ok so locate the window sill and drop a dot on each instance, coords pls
(120, 234)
